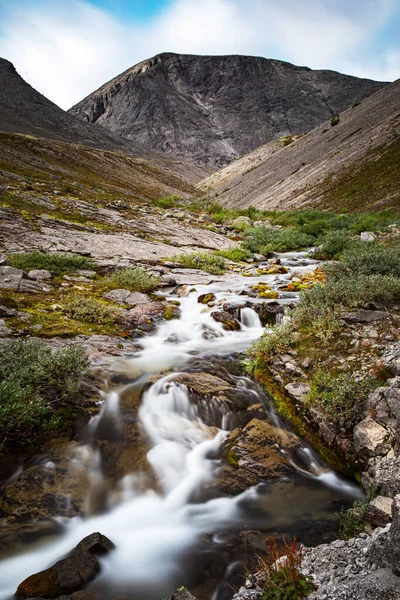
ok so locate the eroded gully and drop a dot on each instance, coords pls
(164, 523)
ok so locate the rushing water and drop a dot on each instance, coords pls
(159, 532)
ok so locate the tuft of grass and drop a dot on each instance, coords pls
(90, 310)
(136, 280)
(58, 264)
(335, 120)
(209, 262)
(273, 342)
(34, 381)
(169, 202)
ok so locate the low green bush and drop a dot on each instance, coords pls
(206, 261)
(369, 258)
(335, 120)
(340, 396)
(58, 264)
(236, 253)
(136, 280)
(334, 244)
(34, 382)
(273, 342)
(90, 309)
(169, 202)
(265, 240)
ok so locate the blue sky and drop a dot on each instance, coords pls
(68, 49)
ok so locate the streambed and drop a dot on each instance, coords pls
(181, 524)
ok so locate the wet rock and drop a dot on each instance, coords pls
(267, 311)
(182, 291)
(126, 297)
(70, 574)
(142, 314)
(370, 438)
(182, 594)
(10, 278)
(39, 274)
(206, 298)
(228, 321)
(298, 391)
(15, 535)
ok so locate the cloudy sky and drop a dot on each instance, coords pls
(68, 49)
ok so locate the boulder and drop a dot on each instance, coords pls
(267, 311)
(384, 475)
(182, 594)
(298, 391)
(144, 314)
(126, 297)
(206, 298)
(391, 358)
(70, 574)
(39, 274)
(10, 278)
(385, 551)
(242, 223)
(379, 511)
(367, 236)
(228, 322)
(370, 438)
(366, 316)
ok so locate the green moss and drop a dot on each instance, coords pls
(232, 459)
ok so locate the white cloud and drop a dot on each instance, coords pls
(67, 52)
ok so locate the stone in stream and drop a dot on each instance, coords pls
(69, 574)
(228, 322)
(206, 298)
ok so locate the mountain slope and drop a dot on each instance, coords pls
(213, 109)
(353, 165)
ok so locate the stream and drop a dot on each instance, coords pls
(168, 534)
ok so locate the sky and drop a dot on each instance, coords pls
(66, 50)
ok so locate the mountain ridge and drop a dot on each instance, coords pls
(213, 109)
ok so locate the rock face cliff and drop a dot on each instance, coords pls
(213, 109)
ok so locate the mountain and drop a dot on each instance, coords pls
(353, 165)
(213, 109)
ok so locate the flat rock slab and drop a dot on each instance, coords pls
(298, 391)
(126, 297)
(366, 316)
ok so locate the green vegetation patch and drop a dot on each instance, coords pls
(235, 254)
(136, 280)
(265, 240)
(34, 384)
(274, 342)
(59, 264)
(91, 310)
(206, 261)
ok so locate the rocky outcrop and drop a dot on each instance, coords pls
(213, 109)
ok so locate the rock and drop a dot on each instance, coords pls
(298, 391)
(10, 278)
(242, 223)
(259, 257)
(143, 313)
(7, 312)
(39, 274)
(384, 475)
(370, 438)
(206, 298)
(4, 330)
(33, 287)
(70, 574)
(367, 236)
(126, 297)
(366, 316)
(385, 551)
(182, 594)
(379, 511)
(391, 358)
(267, 311)
(228, 322)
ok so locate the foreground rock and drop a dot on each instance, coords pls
(70, 574)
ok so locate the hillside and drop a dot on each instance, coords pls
(213, 109)
(353, 165)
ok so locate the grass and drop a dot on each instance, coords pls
(58, 264)
(235, 254)
(206, 261)
(136, 280)
(34, 383)
(274, 342)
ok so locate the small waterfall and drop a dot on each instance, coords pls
(107, 424)
(250, 318)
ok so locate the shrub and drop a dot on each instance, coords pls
(210, 262)
(136, 280)
(334, 244)
(284, 580)
(33, 382)
(273, 342)
(90, 309)
(265, 240)
(341, 396)
(369, 258)
(285, 140)
(169, 202)
(335, 120)
(316, 315)
(236, 253)
(56, 263)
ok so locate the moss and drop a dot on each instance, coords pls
(232, 459)
(286, 409)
